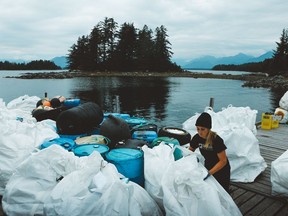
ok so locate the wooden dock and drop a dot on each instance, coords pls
(255, 198)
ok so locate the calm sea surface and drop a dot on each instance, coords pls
(166, 101)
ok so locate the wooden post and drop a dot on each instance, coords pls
(211, 103)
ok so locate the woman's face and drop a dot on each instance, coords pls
(203, 131)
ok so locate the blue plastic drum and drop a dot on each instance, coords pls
(134, 121)
(129, 162)
(72, 102)
(66, 143)
(87, 149)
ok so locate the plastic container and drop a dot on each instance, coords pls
(129, 162)
(92, 139)
(148, 136)
(134, 121)
(72, 102)
(275, 121)
(266, 122)
(87, 149)
(145, 127)
(119, 115)
(66, 143)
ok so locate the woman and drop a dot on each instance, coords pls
(213, 149)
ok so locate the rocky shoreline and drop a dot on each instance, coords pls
(255, 80)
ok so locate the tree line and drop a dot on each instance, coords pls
(33, 65)
(277, 65)
(125, 48)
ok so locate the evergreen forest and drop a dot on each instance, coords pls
(33, 65)
(112, 48)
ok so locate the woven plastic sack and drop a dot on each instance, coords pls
(243, 152)
(279, 175)
(18, 139)
(283, 103)
(178, 186)
(34, 179)
(186, 193)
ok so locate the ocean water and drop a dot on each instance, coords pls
(165, 101)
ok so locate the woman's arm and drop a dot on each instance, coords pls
(221, 163)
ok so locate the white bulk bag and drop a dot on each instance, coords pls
(283, 103)
(179, 185)
(156, 161)
(243, 152)
(25, 103)
(240, 116)
(186, 193)
(22, 107)
(34, 179)
(17, 141)
(279, 175)
(97, 189)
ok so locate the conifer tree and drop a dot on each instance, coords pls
(108, 30)
(280, 55)
(162, 49)
(145, 47)
(126, 47)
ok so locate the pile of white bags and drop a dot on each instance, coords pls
(236, 126)
(283, 109)
(178, 186)
(20, 135)
(54, 181)
(279, 175)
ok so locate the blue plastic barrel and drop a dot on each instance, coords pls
(66, 143)
(129, 162)
(148, 136)
(72, 102)
(134, 121)
(87, 149)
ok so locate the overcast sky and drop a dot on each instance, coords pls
(38, 29)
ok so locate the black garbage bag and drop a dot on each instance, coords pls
(80, 119)
(116, 129)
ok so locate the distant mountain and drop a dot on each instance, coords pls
(208, 62)
(60, 61)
